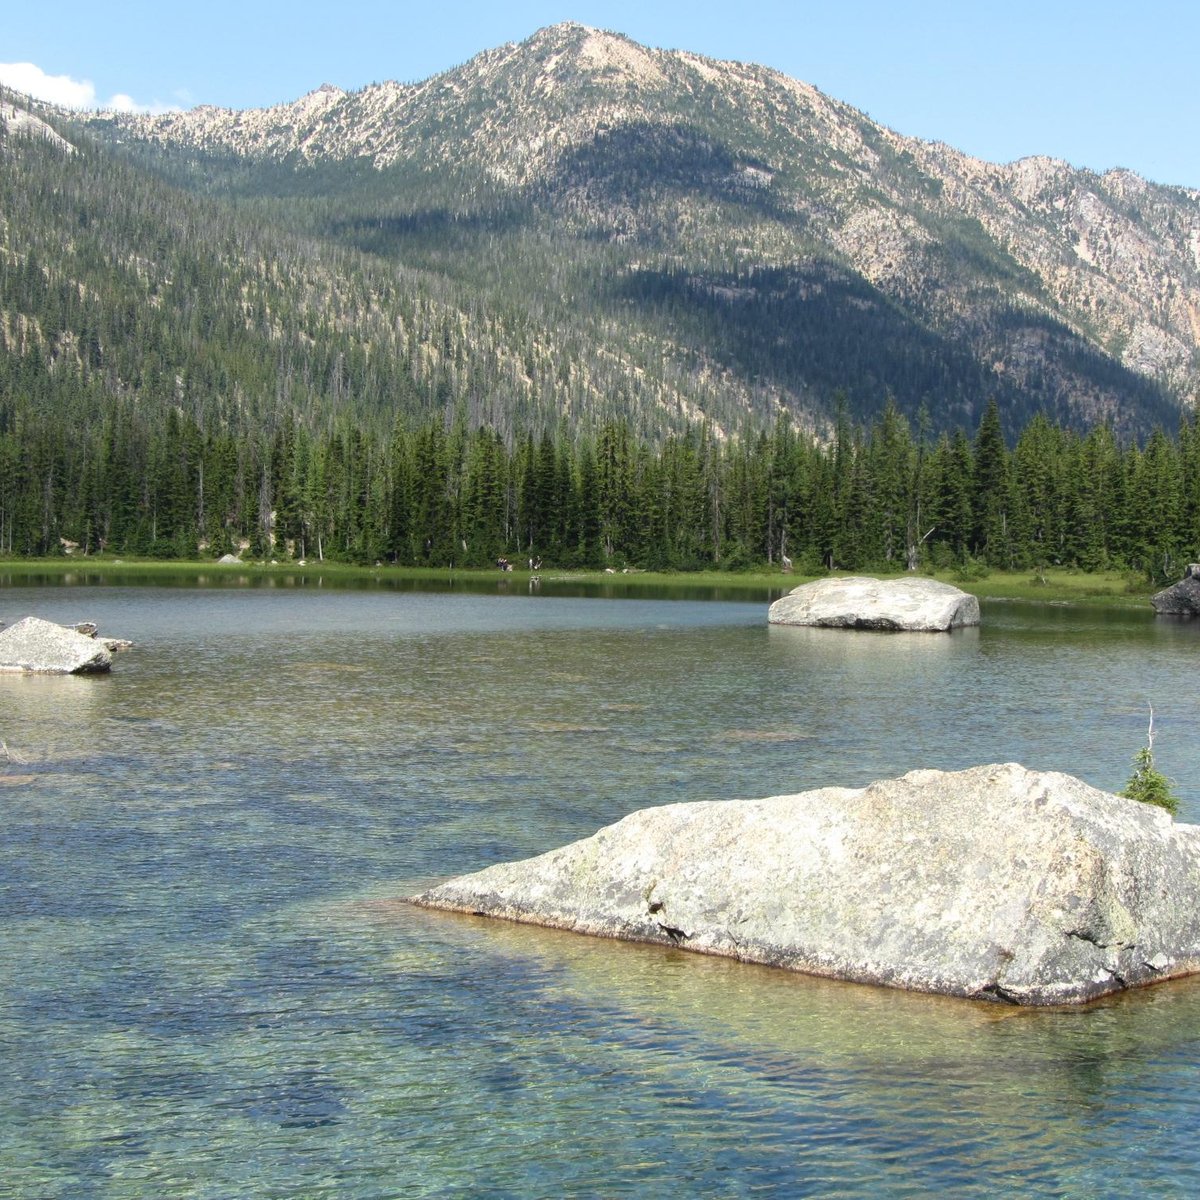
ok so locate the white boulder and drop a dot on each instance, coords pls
(36, 646)
(910, 603)
(994, 883)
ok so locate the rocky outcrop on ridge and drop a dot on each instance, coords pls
(1181, 599)
(19, 121)
(993, 883)
(39, 647)
(911, 604)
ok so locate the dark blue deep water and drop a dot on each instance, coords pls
(209, 988)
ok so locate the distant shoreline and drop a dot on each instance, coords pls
(1107, 589)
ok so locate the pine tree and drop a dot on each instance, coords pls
(990, 476)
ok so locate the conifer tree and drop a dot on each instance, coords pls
(1147, 784)
(990, 481)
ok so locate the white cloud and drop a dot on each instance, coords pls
(70, 93)
(57, 89)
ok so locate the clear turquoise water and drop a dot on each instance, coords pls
(208, 987)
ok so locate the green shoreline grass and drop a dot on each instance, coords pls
(1109, 589)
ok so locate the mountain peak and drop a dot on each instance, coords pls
(743, 173)
(597, 53)
(558, 31)
(318, 100)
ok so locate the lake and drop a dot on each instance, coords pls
(209, 987)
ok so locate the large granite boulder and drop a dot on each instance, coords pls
(44, 648)
(912, 603)
(994, 883)
(1181, 599)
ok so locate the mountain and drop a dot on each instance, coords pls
(578, 226)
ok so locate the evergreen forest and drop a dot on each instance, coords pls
(882, 497)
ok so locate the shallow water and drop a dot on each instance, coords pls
(210, 990)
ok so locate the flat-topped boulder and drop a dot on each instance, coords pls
(993, 883)
(41, 647)
(1181, 599)
(908, 604)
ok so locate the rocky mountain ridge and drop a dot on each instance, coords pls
(757, 238)
(22, 122)
(1116, 257)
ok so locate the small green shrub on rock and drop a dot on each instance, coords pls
(1147, 783)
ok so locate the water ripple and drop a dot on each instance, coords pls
(210, 991)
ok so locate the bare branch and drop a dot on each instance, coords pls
(11, 756)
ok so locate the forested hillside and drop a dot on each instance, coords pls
(115, 284)
(587, 301)
(577, 228)
(736, 226)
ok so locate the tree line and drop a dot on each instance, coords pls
(126, 479)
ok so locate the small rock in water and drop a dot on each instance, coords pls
(1181, 599)
(35, 646)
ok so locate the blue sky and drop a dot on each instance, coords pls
(1100, 83)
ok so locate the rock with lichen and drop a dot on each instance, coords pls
(993, 883)
(1181, 599)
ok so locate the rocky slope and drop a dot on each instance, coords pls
(734, 164)
(578, 227)
(18, 121)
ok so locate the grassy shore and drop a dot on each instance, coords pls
(1103, 589)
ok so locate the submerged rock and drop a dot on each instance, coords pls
(994, 883)
(913, 603)
(42, 647)
(1181, 599)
